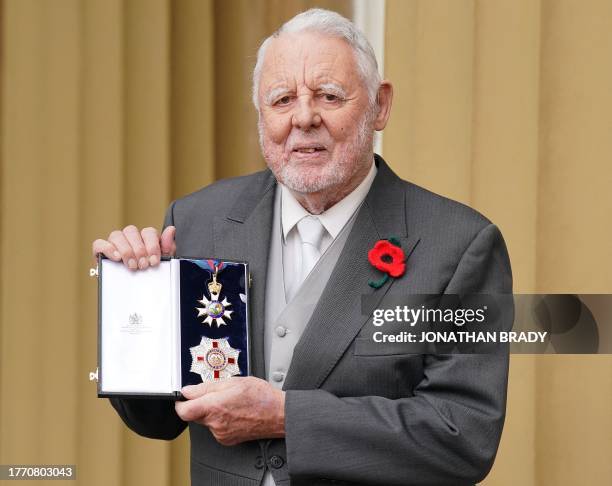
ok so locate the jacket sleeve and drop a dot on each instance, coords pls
(446, 433)
(151, 418)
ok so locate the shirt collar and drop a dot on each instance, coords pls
(333, 219)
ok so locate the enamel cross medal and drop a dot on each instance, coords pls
(214, 309)
(214, 359)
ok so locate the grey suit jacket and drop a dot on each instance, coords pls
(372, 417)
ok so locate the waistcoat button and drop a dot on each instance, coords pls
(276, 462)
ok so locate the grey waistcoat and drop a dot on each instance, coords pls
(285, 322)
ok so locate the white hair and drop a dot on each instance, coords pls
(334, 25)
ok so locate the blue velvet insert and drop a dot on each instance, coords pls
(194, 284)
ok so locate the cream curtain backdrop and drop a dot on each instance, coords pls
(506, 106)
(111, 108)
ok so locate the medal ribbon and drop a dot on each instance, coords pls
(210, 264)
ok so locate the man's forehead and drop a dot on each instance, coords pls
(307, 56)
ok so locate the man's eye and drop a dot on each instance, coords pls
(283, 101)
(331, 97)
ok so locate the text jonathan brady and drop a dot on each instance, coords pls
(459, 317)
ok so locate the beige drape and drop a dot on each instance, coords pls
(111, 108)
(506, 105)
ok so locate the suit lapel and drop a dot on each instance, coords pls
(338, 316)
(244, 235)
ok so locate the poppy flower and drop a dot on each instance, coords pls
(388, 258)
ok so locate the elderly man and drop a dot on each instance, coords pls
(326, 404)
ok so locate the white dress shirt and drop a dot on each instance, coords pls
(333, 221)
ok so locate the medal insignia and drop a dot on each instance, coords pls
(215, 309)
(214, 359)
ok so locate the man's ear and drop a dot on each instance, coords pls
(384, 100)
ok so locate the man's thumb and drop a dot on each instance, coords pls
(168, 246)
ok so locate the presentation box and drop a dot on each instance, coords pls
(183, 322)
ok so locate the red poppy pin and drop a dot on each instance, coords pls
(388, 257)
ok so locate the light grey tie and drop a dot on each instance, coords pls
(311, 233)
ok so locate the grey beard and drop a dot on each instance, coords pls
(333, 175)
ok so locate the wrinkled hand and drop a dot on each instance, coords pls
(137, 249)
(235, 410)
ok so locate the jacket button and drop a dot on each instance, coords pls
(281, 331)
(278, 376)
(259, 462)
(277, 462)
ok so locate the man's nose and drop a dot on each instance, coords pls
(306, 115)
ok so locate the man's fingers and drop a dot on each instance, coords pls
(168, 246)
(192, 409)
(186, 410)
(135, 240)
(150, 238)
(137, 249)
(118, 239)
(195, 391)
(106, 248)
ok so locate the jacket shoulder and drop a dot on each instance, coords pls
(424, 204)
(457, 244)
(219, 196)
(428, 212)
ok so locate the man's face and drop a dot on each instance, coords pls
(315, 122)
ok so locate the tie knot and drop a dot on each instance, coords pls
(311, 231)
